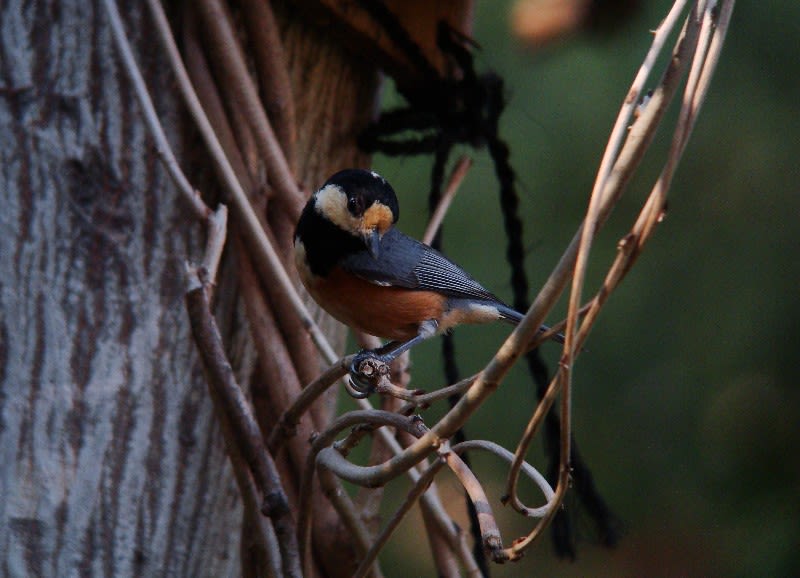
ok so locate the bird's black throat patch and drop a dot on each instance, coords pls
(325, 243)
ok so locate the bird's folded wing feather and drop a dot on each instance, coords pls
(405, 262)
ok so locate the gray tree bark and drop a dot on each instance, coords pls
(111, 460)
(112, 463)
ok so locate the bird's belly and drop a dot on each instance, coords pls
(389, 312)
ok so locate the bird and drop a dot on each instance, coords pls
(370, 276)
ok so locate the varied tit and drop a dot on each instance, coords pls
(372, 277)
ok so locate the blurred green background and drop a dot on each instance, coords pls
(686, 404)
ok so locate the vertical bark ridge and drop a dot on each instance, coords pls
(112, 461)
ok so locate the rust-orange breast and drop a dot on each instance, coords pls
(388, 312)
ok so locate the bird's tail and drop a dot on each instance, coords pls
(514, 317)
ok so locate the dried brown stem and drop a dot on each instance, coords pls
(527, 469)
(275, 357)
(273, 75)
(445, 559)
(601, 203)
(353, 473)
(199, 76)
(453, 183)
(419, 488)
(631, 246)
(163, 147)
(241, 92)
(322, 442)
(536, 420)
(425, 400)
(217, 228)
(431, 505)
(695, 39)
(490, 533)
(246, 434)
(369, 500)
(275, 360)
(436, 519)
(235, 149)
(216, 221)
(337, 495)
(285, 426)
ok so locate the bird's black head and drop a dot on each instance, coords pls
(359, 202)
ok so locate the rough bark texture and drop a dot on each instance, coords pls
(112, 463)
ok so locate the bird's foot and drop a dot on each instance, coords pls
(366, 371)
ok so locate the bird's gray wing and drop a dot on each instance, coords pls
(405, 262)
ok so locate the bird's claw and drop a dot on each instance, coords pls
(366, 371)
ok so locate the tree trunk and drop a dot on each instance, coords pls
(112, 461)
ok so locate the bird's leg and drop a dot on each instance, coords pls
(392, 350)
(363, 383)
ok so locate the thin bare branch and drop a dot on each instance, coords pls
(453, 183)
(265, 541)
(231, 130)
(424, 400)
(544, 405)
(163, 147)
(243, 94)
(527, 469)
(431, 506)
(284, 427)
(273, 73)
(215, 221)
(386, 387)
(638, 140)
(600, 205)
(243, 425)
(355, 474)
(416, 492)
(490, 533)
(516, 550)
(632, 244)
(634, 95)
(695, 39)
(725, 8)
(594, 211)
(342, 468)
(347, 511)
(446, 561)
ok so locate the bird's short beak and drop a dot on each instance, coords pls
(373, 241)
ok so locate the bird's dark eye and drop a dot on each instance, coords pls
(355, 205)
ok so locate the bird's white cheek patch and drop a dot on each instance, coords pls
(331, 203)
